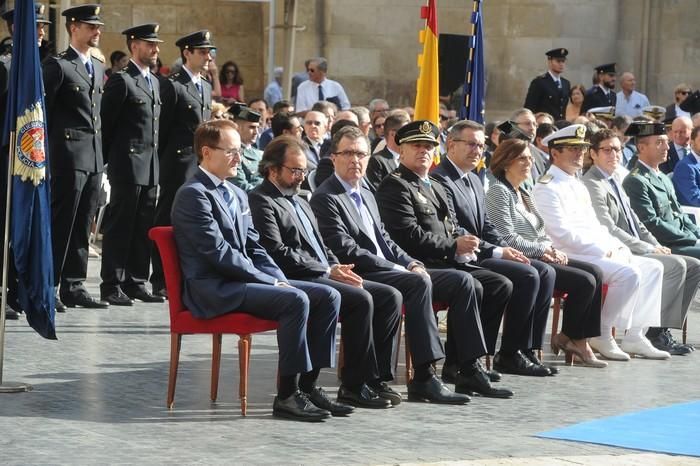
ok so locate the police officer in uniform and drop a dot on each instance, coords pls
(602, 94)
(247, 177)
(73, 82)
(549, 92)
(130, 119)
(5, 62)
(186, 102)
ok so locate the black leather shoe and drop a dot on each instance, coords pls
(479, 383)
(449, 373)
(364, 397)
(117, 298)
(11, 314)
(84, 300)
(532, 357)
(518, 364)
(298, 408)
(319, 398)
(60, 307)
(434, 391)
(665, 342)
(386, 392)
(144, 295)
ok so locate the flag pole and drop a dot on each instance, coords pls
(7, 387)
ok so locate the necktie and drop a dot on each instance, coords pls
(625, 208)
(559, 84)
(149, 82)
(306, 223)
(471, 197)
(88, 67)
(320, 93)
(684, 152)
(231, 201)
(198, 85)
(369, 224)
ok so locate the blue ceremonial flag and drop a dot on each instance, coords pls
(30, 218)
(474, 87)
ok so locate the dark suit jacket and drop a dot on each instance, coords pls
(344, 232)
(653, 199)
(313, 155)
(419, 218)
(543, 95)
(73, 103)
(477, 223)
(595, 97)
(218, 255)
(670, 112)
(130, 120)
(380, 165)
(686, 180)
(671, 159)
(283, 235)
(182, 111)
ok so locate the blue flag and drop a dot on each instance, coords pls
(30, 219)
(474, 87)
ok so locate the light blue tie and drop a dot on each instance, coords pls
(368, 223)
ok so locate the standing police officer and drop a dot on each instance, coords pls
(130, 118)
(73, 83)
(549, 92)
(186, 102)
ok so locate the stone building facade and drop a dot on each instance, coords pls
(372, 45)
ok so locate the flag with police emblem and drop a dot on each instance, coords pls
(30, 219)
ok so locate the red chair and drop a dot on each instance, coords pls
(183, 322)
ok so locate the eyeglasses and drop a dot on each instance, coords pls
(684, 92)
(310, 70)
(378, 125)
(312, 122)
(443, 118)
(610, 150)
(352, 153)
(236, 152)
(298, 172)
(471, 144)
(531, 123)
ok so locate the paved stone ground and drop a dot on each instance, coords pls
(99, 397)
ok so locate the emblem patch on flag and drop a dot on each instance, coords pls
(30, 161)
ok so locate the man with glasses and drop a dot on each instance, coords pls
(613, 209)
(369, 311)
(73, 85)
(633, 300)
(226, 270)
(248, 121)
(315, 129)
(349, 221)
(185, 103)
(679, 148)
(602, 94)
(130, 119)
(319, 88)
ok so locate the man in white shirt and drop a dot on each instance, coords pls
(629, 101)
(633, 299)
(318, 87)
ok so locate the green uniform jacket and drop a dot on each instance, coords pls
(654, 201)
(247, 178)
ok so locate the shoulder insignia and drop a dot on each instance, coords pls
(634, 172)
(204, 78)
(546, 178)
(99, 59)
(62, 54)
(396, 174)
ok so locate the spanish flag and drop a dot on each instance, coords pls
(428, 92)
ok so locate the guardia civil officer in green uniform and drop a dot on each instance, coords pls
(73, 83)
(248, 121)
(5, 61)
(186, 102)
(130, 121)
(652, 195)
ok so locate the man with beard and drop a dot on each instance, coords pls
(73, 84)
(130, 136)
(369, 311)
(601, 95)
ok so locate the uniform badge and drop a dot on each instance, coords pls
(155, 29)
(41, 9)
(425, 128)
(30, 163)
(97, 10)
(421, 198)
(546, 178)
(206, 35)
(581, 132)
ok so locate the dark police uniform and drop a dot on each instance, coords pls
(183, 108)
(544, 95)
(596, 96)
(73, 103)
(130, 119)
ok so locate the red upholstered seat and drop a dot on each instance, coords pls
(183, 322)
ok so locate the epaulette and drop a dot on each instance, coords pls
(396, 174)
(174, 76)
(634, 172)
(62, 54)
(546, 178)
(204, 78)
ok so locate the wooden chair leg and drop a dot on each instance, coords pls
(397, 344)
(215, 365)
(243, 362)
(556, 311)
(685, 331)
(488, 362)
(539, 354)
(341, 358)
(409, 361)
(175, 343)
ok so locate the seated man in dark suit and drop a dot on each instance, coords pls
(349, 220)
(419, 216)
(369, 311)
(384, 162)
(226, 270)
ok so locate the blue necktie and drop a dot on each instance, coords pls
(88, 67)
(370, 225)
(231, 201)
(625, 210)
(148, 81)
(320, 93)
(198, 85)
(306, 223)
(558, 84)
